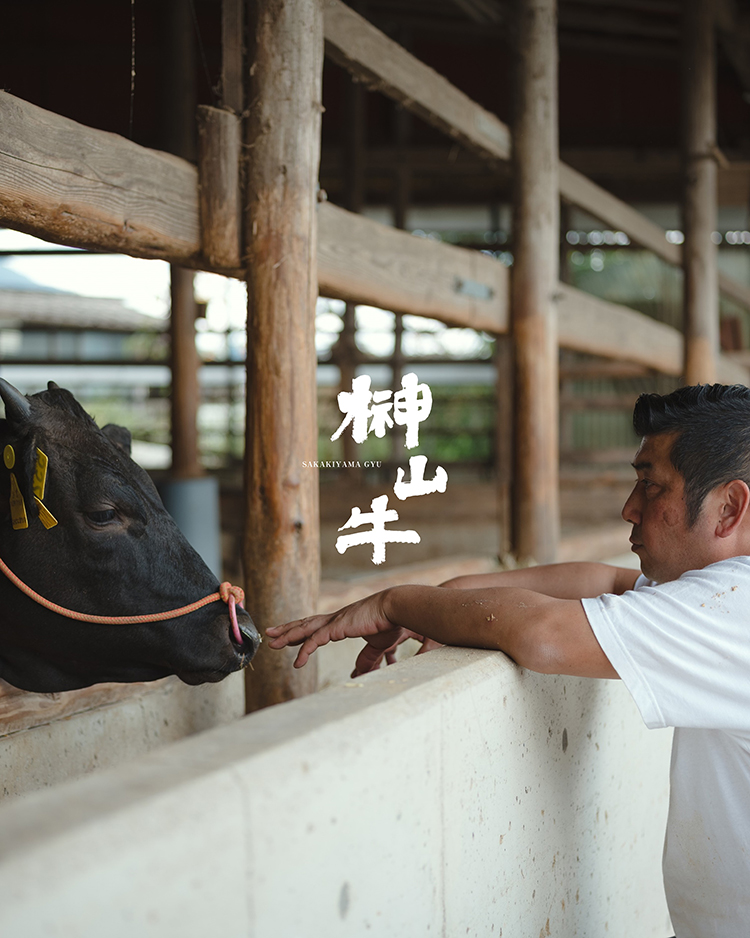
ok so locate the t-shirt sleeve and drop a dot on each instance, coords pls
(682, 648)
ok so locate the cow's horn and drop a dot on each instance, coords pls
(17, 406)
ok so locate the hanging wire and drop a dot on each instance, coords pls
(132, 67)
(202, 51)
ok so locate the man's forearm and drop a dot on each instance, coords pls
(561, 580)
(538, 632)
(504, 619)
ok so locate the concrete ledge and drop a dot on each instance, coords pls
(123, 722)
(451, 794)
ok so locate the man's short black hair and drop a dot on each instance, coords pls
(713, 443)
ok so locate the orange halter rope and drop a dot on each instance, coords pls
(229, 594)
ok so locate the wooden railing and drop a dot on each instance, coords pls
(76, 185)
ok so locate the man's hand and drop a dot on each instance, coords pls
(364, 619)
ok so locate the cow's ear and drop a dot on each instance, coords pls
(120, 436)
(17, 406)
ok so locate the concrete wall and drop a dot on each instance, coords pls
(104, 736)
(453, 794)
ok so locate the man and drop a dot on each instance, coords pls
(678, 635)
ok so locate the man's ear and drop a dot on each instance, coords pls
(734, 507)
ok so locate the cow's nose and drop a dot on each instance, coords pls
(250, 635)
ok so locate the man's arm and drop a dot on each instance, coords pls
(560, 580)
(538, 632)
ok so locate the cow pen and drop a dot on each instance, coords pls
(450, 794)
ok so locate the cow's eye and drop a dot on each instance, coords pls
(102, 517)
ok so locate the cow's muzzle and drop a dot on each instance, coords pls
(250, 637)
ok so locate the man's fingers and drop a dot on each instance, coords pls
(294, 633)
(320, 637)
(428, 645)
(369, 659)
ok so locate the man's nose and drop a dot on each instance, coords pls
(630, 510)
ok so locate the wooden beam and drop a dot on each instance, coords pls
(581, 191)
(534, 277)
(598, 327)
(143, 202)
(588, 324)
(75, 185)
(385, 66)
(699, 210)
(51, 193)
(366, 262)
(282, 540)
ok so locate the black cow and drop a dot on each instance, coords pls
(97, 541)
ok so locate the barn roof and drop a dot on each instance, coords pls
(619, 86)
(51, 310)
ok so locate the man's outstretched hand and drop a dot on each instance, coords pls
(366, 619)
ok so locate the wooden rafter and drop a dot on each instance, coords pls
(374, 58)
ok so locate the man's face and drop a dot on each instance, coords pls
(661, 538)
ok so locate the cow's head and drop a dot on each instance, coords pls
(114, 551)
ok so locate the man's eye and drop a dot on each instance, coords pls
(102, 517)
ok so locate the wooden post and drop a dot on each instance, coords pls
(346, 352)
(701, 290)
(219, 175)
(232, 59)
(533, 283)
(401, 200)
(503, 359)
(177, 129)
(185, 395)
(282, 542)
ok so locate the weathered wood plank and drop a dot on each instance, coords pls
(89, 188)
(366, 262)
(385, 66)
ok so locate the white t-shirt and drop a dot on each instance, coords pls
(683, 651)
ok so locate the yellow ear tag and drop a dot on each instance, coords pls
(40, 474)
(45, 516)
(9, 456)
(17, 506)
